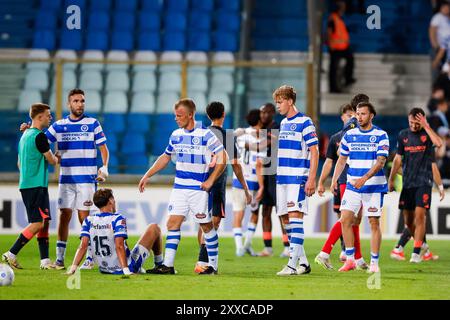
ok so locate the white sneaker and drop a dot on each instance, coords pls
(285, 253)
(361, 264)
(287, 271)
(304, 269)
(415, 258)
(324, 262)
(374, 268)
(46, 264)
(87, 265)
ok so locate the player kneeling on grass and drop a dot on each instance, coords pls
(108, 233)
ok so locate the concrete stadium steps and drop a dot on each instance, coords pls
(12, 76)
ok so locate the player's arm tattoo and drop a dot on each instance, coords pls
(381, 161)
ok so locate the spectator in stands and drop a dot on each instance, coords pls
(338, 41)
(439, 123)
(436, 95)
(438, 32)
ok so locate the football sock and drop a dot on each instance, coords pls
(417, 246)
(404, 238)
(267, 237)
(237, 232)
(21, 241)
(296, 241)
(357, 242)
(212, 246)
(374, 258)
(350, 253)
(203, 253)
(335, 234)
(251, 228)
(60, 250)
(172, 240)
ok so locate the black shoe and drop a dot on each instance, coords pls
(209, 270)
(162, 269)
(307, 269)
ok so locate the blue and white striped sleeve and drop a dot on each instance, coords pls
(309, 133)
(383, 146)
(99, 135)
(169, 149)
(120, 227)
(214, 145)
(51, 133)
(344, 150)
(85, 228)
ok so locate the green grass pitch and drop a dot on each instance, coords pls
(247, 278)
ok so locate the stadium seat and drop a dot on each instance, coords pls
(144, 56)
(93, 55)
(118, 56)
(112, 141)
(203, 5)
(199, 99)
(50, 5)
(67, 55)
(171, 56)
(143, 102)
(113, 165)
(71, 40)
(174, 41)
(115, 102)
(133, 142)
(100, 5)
(69, 80)
(113, 122)
(197, 57)
(229, 5)
(199, 41)
(122, 40)
(117, 80)
(222, 82)
(27, 98)
(152, 5)
(166, 101)
(197, 81)
(97, 40)
(124, 21)
(149, 41)
(144, 81)
(44, 39)
(222, 97)
(175, 22)
(138, 122)
(38, 54)
(136, 164)
(98, 21)
(228, 21)
(45, 20)
(199, 21)
(225, 41)
(52, 101)
(80, 3)
(91, 80)
(93, 101)
(170, 81)
(177, 5)
(125, 5)
(36, 80)
(149, 21)
(223, 57)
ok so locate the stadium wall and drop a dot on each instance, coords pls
(151, 207)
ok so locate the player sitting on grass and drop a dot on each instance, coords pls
(108, 233)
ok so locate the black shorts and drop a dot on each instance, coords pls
(270, 191)
(415, 197)
(218, 192)
(37, 204)
(337, 198)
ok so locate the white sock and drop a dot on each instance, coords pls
(212, 246)
(374, 258)
(251, 228)
(302, 257)
(172, 240)
(296, 242)
(237, 232)
(11, 255)
(138, 252)
(350, 253)
(324, 255)
(61, 250)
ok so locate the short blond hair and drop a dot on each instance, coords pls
(186, 102)
(285, 92)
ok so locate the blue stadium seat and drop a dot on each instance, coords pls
(124, 21)
(228, 21)
(71, 40)
(112, 141)
(97, 40)
(149, 21)
(175, 21)
(133, 142)
(136, 164)
(51, 5)
(126, 5)
(152, 5)
(174, 41)
(45, 20)
(98, 21)
(199, 41)
(113, 122)
(225, 41)
(177, 5)
(199, 20)
(122, 40)
(44, 39)
(202, 5)
(80, 3)
(229, 5)
(138, 122)
(100, 5)
(149, 41)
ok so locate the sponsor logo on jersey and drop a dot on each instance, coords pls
(200, 216)
(101, 226)
(423, 139)
(290, 204)
(88, 203)
(372, 209)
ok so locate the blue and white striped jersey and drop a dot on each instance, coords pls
(192, 151)
(362, 149)
(297, 135)
(102, 229)
(248, 159)
(77, 142)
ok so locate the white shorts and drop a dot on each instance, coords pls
(197, 202)
(291, 197)
(371, 203)
(76, 196)
(240, 201)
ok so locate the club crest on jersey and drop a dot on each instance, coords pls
(170, 207)
(293, 127)
(84, 128)
(405, 140)
(196, 140)
(373, 139)
(423, 139)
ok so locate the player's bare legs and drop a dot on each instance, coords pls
(418, 232)
(63, 234)
(238, 216)
(375, 243)
(347, 219)
(251, 228)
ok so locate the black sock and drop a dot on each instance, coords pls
(19, 244)
(268, 243)
(43, 247)
(203, 254)
(404, 238)
(424, 238)
(342, 243)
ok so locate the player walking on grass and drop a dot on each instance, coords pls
(34, 157)
(365, 149)
(193, 147)
(216, 113)
(416, 156)
(106, 233)
(298, 158)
